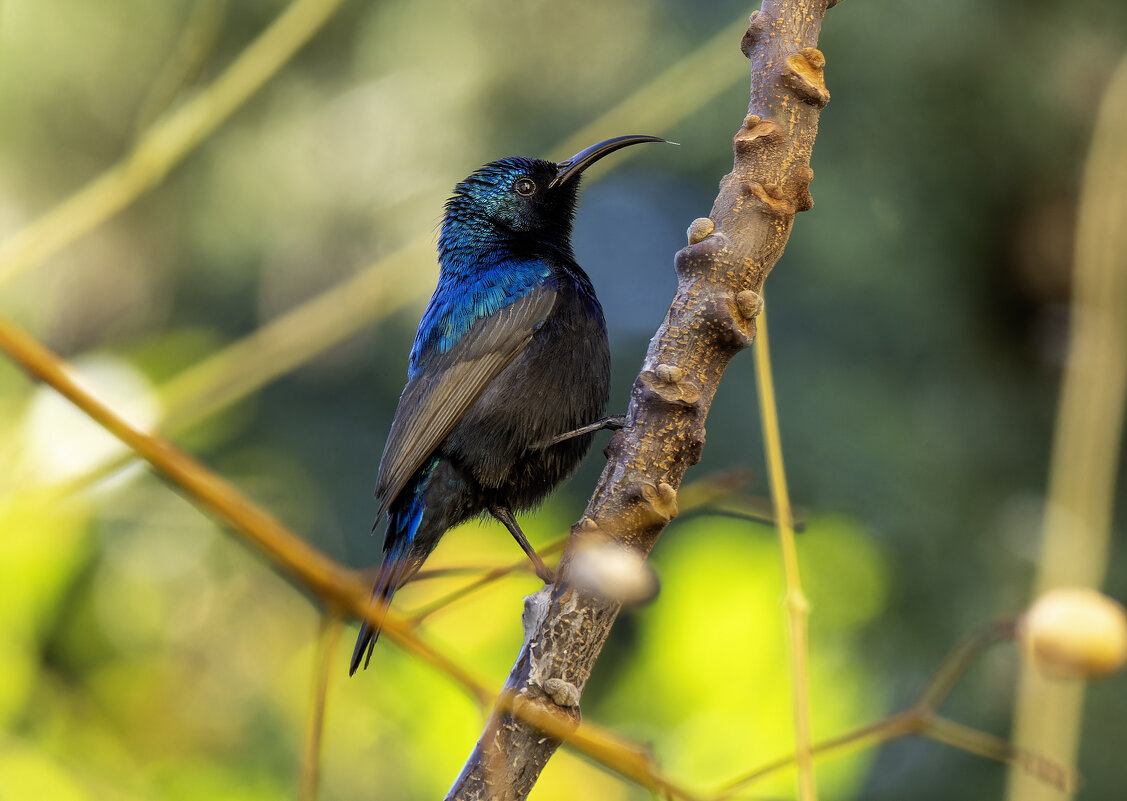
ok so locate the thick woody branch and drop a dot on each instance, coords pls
(712, 317)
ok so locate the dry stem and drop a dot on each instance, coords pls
(712, 317)
(328, 637)
(165, 144)
(342, 589)
(380, 290)
(797, 606)
(922, 718)
(1081, 498)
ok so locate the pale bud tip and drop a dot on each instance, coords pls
(613, 571)
(1074, 632)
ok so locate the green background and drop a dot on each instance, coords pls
(918, 323)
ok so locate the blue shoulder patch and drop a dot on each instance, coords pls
(462, 299)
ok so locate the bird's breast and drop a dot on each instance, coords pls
(560, 382)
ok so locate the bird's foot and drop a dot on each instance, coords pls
(505, 515)
(614, 423)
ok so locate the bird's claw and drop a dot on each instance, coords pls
(613, 423)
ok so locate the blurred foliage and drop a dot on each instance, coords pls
(916, 322)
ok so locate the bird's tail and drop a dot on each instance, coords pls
(393, 572)
(407, 543)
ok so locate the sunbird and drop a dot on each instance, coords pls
(509, 374)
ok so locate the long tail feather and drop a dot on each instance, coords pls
(405, 548)
(392, 573)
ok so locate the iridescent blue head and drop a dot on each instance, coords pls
(522, 204)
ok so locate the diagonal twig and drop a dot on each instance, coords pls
(389, 285)
(922, 718)
(165, 144)
(341, 589)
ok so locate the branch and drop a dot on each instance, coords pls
(798, 607)
(403, 277)
(1076, 531)
(712, 317)
(342, 590)
(167, 142)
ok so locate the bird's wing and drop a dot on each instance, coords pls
(435, 400)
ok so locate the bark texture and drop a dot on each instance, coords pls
(712, 317)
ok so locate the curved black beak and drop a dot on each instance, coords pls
(588, 156)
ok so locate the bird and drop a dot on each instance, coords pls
(509, 374)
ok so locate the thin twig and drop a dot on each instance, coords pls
(797, 606)
(446, 601)
(1045, 773)
(342, 589)
(335, 584)
(965, 738)
(624, 757)
(1076, 529)
(327, 639)
(172, 137)
(922, 718)
(884, 730)
(956, 663)
(477, 571)
(693, 497)
(403, 277)
(198, 34)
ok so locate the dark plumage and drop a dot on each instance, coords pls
(510, 354)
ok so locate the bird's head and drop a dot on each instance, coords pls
(517, 200)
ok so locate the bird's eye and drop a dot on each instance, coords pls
(525, 187)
